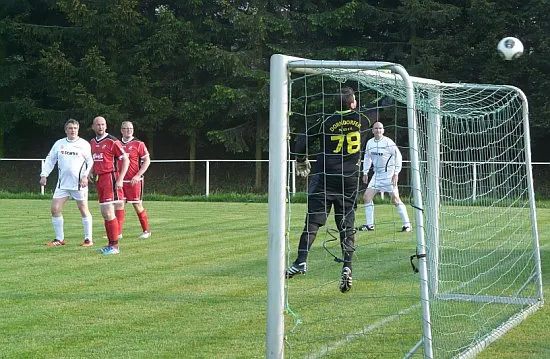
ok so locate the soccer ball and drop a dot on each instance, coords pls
(510, 48)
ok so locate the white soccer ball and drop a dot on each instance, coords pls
(510, 48)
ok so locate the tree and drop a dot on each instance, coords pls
(199, 69)
(20, 44)
(244, 96)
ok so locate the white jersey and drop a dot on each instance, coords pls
(384, 156)
(74, 161)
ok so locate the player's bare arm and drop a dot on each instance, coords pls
(92, 176)
(394, 179)
(144, 166)
(84, 182)
(124, 163)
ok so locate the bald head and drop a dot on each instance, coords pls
(99, 125)
(378, 130)
(99, 118)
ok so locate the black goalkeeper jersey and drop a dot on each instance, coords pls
(342, 139)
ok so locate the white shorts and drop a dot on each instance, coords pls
(77, 195)
(382, 184)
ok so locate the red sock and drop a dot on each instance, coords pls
(119, 213)
(111, 227)
(144, 221)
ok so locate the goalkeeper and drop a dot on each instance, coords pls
(342, 137)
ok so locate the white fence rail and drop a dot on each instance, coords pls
(207, 165)
(208, 174)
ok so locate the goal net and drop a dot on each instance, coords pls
(470, 268)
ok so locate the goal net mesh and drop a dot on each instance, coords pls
(478, 224)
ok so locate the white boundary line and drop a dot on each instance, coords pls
(351, 337)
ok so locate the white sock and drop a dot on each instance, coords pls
(369, 213)
(87, 223)
(402, 210)
(57, 223)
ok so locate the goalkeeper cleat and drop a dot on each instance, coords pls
(56, 243)
(87, 243)
(111, 250)
(405, 229)
(145, 235)
(345, 280)
(296, 268)
(365, 228)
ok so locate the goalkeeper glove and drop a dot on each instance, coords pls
(303, 168)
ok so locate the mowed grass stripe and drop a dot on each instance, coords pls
(197, 289)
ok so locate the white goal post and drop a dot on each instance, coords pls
(477, 248)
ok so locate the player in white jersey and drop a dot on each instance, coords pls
(385, 158)
(73, 156)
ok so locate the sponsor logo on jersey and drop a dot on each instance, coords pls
(97, 156)
(69, 153)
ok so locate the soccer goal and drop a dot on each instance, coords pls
(469, 270)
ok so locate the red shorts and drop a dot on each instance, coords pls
(106, 189)
(133, 194)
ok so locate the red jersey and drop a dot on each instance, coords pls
(104, 152)
(136, 151)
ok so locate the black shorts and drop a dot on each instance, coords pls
(327, 191)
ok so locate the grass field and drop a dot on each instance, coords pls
(197, 289)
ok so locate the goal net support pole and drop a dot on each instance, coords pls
(278, 152)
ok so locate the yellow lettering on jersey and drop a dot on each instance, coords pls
(345, 123)
(352, 139)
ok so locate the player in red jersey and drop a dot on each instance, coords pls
(108, 154)
(133, 181)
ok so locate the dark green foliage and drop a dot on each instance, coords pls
(198, 71)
